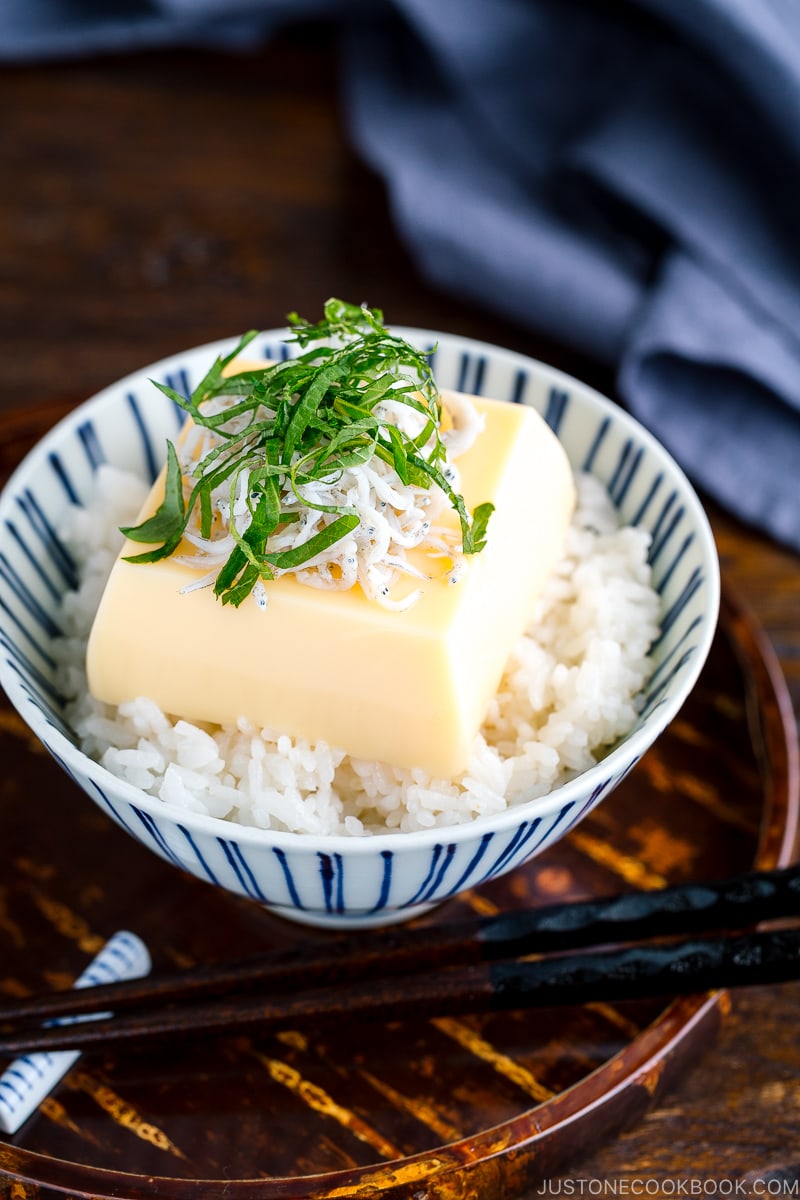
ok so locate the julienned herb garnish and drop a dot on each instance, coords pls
(299, 465)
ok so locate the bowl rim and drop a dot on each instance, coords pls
(615, 763)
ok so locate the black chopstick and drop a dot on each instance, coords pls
(613, 975)
(735, 903)
(341, 963)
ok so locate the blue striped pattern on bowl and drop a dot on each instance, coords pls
(341, 881)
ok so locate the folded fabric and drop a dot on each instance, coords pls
(32, 30)
(618, 174)
(623, 178)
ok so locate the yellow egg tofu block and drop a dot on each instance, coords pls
(407, 688)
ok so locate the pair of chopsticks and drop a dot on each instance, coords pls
(677, 940)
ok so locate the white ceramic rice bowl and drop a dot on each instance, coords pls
(349, 881)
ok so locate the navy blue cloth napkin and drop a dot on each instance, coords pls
(622, 175)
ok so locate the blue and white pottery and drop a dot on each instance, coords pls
(341, 881)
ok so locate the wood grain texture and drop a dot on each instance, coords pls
(156, 202)
(477, 1104)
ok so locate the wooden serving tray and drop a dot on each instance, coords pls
(478, 1105)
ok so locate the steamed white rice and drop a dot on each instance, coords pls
(570, 690)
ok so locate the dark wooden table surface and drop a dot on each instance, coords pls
(151, 203)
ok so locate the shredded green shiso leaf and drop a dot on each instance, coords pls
(273, 432)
